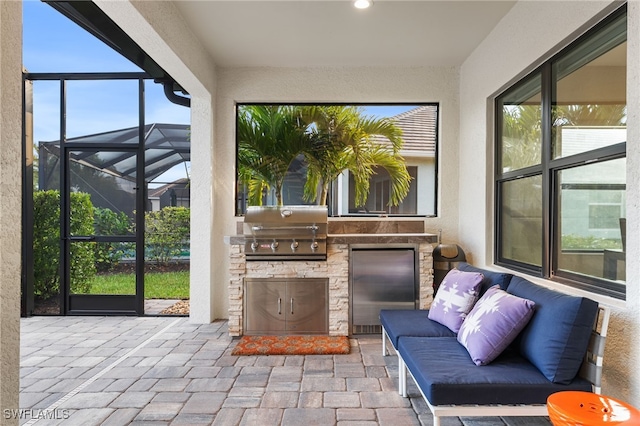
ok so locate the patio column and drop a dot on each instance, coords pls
(10, 203)
(202, 212)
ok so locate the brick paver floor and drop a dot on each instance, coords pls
(168, 371)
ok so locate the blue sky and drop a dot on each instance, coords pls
(52, 43)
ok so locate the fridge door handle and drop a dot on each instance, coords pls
(292, 306)
(279, 306)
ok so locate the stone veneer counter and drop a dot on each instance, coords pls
(342, 234)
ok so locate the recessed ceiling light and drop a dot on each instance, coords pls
(363, 4)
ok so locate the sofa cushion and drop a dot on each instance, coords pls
(493, 323)
(556, 338)
(399, 322)
(456, 296)
(491, 278)
(446, 375)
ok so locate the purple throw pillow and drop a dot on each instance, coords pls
(455, 298)
(493, 323)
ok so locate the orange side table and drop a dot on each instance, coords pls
(575, 408)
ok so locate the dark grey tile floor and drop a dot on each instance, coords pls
(167, 371)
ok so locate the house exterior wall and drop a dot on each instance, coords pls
(425, 176)
(499, 60)
(10, 202)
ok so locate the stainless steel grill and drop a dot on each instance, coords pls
(286, 232)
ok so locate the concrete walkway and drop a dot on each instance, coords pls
(156, 306)
(167, 371)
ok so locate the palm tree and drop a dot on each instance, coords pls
(331, 139)
(344, 139)
(522, 133)
(521, 136)
(270, 137)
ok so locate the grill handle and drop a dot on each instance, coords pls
(285, 228)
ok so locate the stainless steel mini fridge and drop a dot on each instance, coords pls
(381, 277)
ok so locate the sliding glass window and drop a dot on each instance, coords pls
(561, 165)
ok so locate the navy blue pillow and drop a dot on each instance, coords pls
(556, 338)
(490, 278)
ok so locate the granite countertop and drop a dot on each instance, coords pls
(389, 238)
(359, 238)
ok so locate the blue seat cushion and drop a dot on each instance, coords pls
(412, 322)
(557, 336)
(446, 375)
(490, 278)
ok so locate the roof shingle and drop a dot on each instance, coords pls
(418, 130)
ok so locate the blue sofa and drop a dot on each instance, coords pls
(560, 349)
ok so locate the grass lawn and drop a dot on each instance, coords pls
(157, 285)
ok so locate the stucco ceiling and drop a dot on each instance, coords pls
(313, 33)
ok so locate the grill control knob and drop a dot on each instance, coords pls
(294, 246)
(254, 246)
(274, 245)
(314, 246)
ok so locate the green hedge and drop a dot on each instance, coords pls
(46, 243)
(108, 222)
(166, 233)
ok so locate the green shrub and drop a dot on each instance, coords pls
(576, 242)
(108, 222)
(46, 243)
(166, 233)
(83, 263)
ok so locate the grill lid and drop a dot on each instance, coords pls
(286, 221)
(285, 232)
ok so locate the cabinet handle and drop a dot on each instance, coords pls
(279, 306)
(292, 306)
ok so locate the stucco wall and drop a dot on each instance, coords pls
(10, 202)
(358, 85)
(498, 60)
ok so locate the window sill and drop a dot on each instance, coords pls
(609, 301)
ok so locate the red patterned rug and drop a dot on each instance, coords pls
(292, 345)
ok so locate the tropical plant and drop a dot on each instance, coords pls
(344, 139)
(270, 137)
(590, 115)
(331, 139)
(521, 136)
(522, 133)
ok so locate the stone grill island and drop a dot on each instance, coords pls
(343, 235)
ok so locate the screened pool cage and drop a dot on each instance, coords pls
(110, 176)
(99, 199)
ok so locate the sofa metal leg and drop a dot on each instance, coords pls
(384, 342)
(402, 378)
